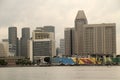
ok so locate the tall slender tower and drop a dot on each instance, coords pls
(80, 20)
(69, 41)
(24, 40)
(13, 40)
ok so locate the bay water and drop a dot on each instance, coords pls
(61, 73)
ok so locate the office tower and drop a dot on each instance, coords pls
(73, 41)
(24, 40)
(62, 47)
(69, 43)
(51, 29)
(42, 44)
(100, 39)
(80, 20)
(94, 38)
(13, 40)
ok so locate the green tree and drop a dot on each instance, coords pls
(3, 62)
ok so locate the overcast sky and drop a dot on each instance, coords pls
(59, 13)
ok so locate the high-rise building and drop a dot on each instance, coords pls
(99, 39)
(69, 41)
(80, 20)
(62, 47)
(73, 40)
(24, 40)
(94, 38)
(13, 41)
(42, 44)
(51, 30)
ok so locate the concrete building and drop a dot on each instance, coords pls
(80, 20)
(69, 41)
(73, 40)
(49, 29)
(4, 48)
(2, 51)
(13, 41)
(62, 47)
(100, 38)
(42, 44)
(24, 39)
(94, 38)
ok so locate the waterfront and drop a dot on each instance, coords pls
(61, 73)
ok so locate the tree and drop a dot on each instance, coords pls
(3, 62)
(23, 62)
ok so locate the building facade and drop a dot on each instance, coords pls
(49, 29)
(13, 41)
(80, 20)
(42, 44)
(94, 38)
(24, 40)
(100, 38)
(62, 47)
(4, 48)
(69, 41)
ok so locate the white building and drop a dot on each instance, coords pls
(41, 45)
(4, 48)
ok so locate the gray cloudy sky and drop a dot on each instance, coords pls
(59, 13)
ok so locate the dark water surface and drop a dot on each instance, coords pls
(61, 73)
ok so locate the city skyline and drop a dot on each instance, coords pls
(41, 12)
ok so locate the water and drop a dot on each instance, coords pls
(61, 73)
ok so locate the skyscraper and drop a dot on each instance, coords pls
(94, 38)
(80, 20)
(69, 41)
(13, 41)
(24, 40)
(62, 47)
(100, 39)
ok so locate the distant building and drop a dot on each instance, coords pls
(62, 47)
(94, 38)
(99, 38)
(49, 29)
(4, 48)
(13, 41)
(69, 41)
(24, 40)
(42, 44)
